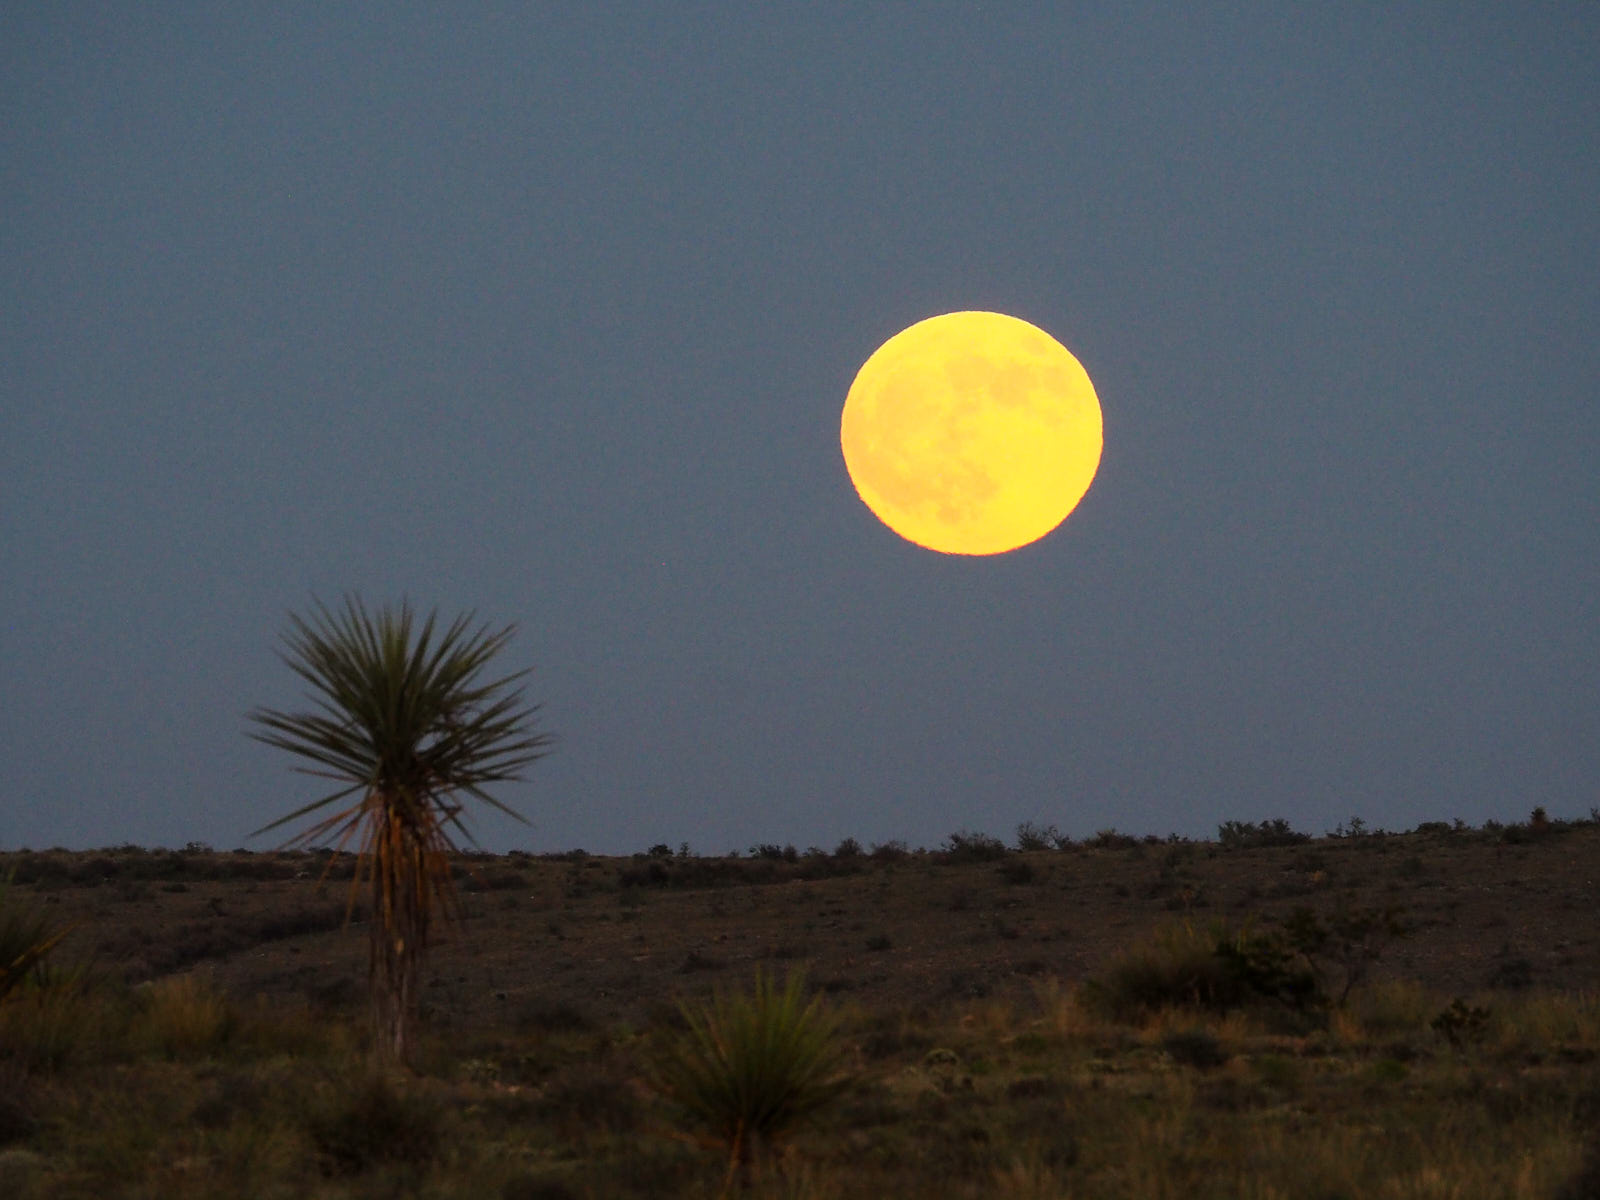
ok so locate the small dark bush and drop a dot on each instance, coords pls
(879, 942)
(774, 852)
(1110, 839)
(890, 851)
(962, 846)
(1461, 1023)
(1194, 1048)
(695, 961)
(1513, 974)
(541, 1016)
(371, 1123)
(1018, 871)
(1235, 835)
(1040, 837)
(848, 848)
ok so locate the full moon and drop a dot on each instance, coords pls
(971, 433)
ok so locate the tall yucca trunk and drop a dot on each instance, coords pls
(399, 929)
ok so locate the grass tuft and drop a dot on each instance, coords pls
(186, 1015)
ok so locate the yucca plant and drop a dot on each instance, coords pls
(26, 938)
(406, 723)
(750, 1068)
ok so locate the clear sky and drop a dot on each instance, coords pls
(549, 312)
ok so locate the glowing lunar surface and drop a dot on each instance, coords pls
(971, 433)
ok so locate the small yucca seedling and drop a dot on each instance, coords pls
(750, 1068)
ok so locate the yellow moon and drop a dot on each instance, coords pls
(971, 433)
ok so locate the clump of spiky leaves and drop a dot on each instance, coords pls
(406, 723)
(750, 1068)
(26, 938)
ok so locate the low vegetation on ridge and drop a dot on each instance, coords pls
(1367, 1014)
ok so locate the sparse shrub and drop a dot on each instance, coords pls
(1461, 1024)
(1513, 974)
(1018, 871)
(1351, 941)
(1040, 837)
(1355, 827)
(373, 1122)
(1177, 967)
(963, 846)
(891, 851)
(750, 1068)
(1110, 839)
(775, 853)
(1236, 835)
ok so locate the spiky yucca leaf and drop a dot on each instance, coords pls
(404, 722)
(750, 1068)
(26, 937)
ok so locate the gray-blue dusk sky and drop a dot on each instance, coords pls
(549, 312)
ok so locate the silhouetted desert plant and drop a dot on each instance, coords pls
(1040, 837)
(1343, 949)
(774, 852)
(963, 846)
(1178, 966)
(750, 1068)
(404, 721)
(1461, 1024)
(1235, 835)
(1018, 871)
(373, 1120)
(1110, 839)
